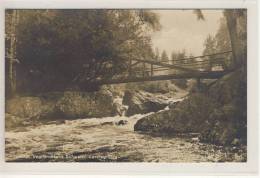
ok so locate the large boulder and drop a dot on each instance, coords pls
(140, 102)
(28, 107)
(81, 104)
(187, 116)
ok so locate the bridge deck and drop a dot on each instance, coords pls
(200, 75)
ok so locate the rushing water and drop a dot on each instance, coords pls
(110, 139)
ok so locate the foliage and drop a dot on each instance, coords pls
(217, 44)
(72, 48)
(222, 37)
(157, 56)
(210, 45)
(62, 105)
(232, 34)
(237, 27)
(176, 55)
(164, 56)
(199, 14)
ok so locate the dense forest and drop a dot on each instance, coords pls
(68, 48)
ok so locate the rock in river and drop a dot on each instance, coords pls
(141, 102)
(183, 118)
(122, 122)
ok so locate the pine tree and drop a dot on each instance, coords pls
(164, 56)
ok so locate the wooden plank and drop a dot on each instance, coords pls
(151, 69)
(155, 70)
(198, 84)
(134, 64)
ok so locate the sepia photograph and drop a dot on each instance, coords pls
(126, 85)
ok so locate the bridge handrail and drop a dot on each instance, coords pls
(172, 66)
(198, 56)
(196, 63)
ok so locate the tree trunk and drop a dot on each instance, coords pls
(237, 47)
(12, 54)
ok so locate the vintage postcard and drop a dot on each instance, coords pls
(138, 85)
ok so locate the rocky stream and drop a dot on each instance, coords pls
(108, 139)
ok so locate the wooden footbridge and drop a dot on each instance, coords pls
(212, 66)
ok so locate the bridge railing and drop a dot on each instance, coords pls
(212, 62)
(210, 66)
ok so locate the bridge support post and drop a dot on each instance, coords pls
(143, 69)
(151, 70)
(199, 84)
(130, 68)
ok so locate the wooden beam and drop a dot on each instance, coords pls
(151, 70)
(201, 75)
(199, 84)
(135, 64)
(144, 69)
